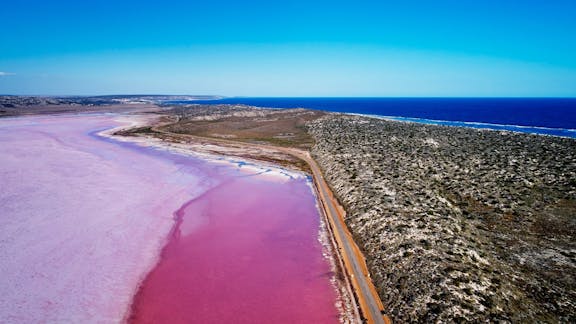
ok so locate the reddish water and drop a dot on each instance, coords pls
(244, 252)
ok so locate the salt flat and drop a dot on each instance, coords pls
(82, 219)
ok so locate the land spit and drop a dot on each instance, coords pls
(456, 224)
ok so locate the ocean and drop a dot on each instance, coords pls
(549, 116)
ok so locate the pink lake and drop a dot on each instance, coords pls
(97, 230)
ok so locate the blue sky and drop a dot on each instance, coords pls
(289, 48)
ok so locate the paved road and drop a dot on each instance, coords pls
(370, 303)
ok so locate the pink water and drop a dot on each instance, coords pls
(245, 252)
(84, 220)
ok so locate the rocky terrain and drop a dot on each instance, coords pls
(457, 224)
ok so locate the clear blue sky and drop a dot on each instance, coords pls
(289, 48)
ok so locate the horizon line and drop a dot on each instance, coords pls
(220, 97)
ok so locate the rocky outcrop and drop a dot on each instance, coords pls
(457, 224)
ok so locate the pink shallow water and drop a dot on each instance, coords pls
(245, 252)
(83, 220)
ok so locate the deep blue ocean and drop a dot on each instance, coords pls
(551, 116)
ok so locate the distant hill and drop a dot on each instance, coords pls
(10, 101)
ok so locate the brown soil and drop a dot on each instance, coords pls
(284, 128)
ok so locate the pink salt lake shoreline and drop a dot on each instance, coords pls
(85, 217)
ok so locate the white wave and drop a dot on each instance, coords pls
(478, 125)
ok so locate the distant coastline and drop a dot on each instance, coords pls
(544, 116)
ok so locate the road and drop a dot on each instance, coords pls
(370, 304)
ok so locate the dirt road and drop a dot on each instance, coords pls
(370, 304)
